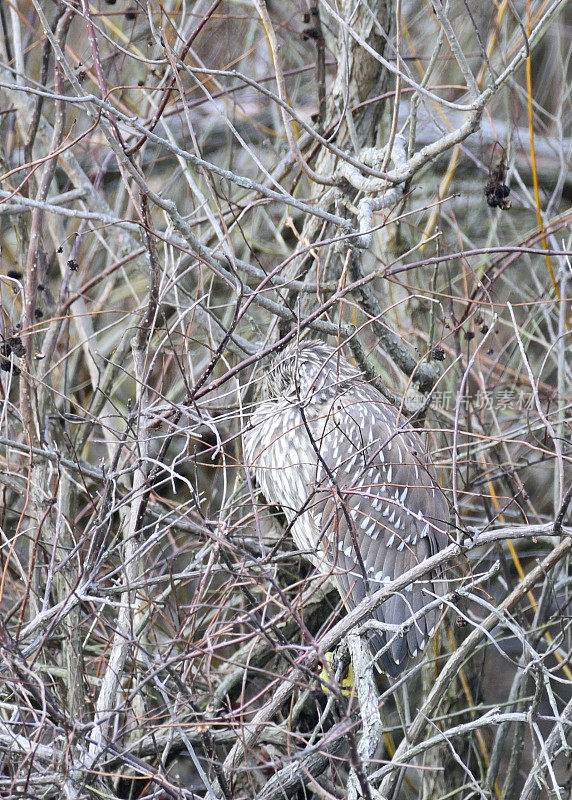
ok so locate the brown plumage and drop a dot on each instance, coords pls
(355, 482)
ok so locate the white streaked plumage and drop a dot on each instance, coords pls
(320, 447)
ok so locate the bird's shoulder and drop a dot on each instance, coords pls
(380, 468)
(369, 426)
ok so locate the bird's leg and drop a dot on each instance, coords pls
(339, 664)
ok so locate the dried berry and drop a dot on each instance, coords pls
(16, 346)
(496, 190)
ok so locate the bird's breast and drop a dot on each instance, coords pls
(281, 456)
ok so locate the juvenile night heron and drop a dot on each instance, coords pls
(355, 483)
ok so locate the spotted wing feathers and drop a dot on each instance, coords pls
(382, 514)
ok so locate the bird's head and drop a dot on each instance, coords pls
(304, 370)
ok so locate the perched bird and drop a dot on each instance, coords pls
(356, 484)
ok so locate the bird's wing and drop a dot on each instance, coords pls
(381, 513)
